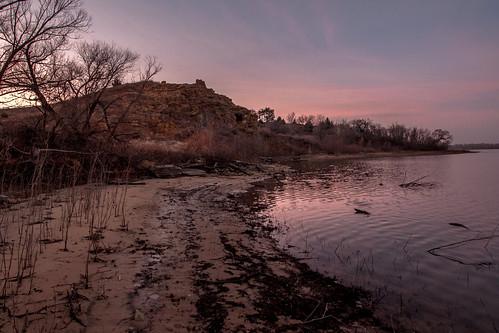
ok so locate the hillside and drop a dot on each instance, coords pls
(158, 111)
(175, 111)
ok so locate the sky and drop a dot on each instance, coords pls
(425, 63)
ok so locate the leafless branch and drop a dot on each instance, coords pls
(26, 23)
(151, 68)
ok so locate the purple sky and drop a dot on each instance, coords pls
(421, 63)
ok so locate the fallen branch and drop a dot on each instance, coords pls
(235, 167)
(62, 151)
(313, 311)
(434, 251)
(414, 182)
(115, 182)
(317, 319)
(462, 242)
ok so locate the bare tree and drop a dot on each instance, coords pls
(151, 68)
(122, 104)
(25, 23)
(37, 69)
(442, 138)
(97, 66)
(47, 75)
(39, 77)
(6, 4)
(291, 118)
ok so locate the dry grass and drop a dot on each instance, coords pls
(28, 228)
(220, 144)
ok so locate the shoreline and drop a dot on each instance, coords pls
(194, 258)
(320, 157)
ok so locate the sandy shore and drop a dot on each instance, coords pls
(194, 258)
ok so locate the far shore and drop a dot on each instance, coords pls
(368, 155)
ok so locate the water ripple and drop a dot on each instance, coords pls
(388, 248)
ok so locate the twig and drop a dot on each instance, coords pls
(317, 319)
(64, 151)
(434, 250)
(312, 313)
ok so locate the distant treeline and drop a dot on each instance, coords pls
(476, 146)
(342, 136)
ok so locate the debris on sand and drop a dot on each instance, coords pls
(204, 168)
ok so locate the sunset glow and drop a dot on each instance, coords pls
(428, 63)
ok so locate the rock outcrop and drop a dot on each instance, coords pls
(164, 111)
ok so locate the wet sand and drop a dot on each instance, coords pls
(195, 258)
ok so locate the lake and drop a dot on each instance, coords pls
(427, 253)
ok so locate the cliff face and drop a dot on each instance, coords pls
(174, 111)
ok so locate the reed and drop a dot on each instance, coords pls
(51, 201)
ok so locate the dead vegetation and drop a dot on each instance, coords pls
(44, 219)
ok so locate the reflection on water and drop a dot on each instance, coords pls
(427, 253)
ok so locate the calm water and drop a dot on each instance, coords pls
(455, 289)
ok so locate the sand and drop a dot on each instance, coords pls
(195, 258)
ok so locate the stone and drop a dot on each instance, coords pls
(139, 316)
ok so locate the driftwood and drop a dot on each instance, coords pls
(193, 172)
(167, 171)
(117, 182)
(237, 168)
(266, 159)
(459, 225)
(324, 315)
(361, 211)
